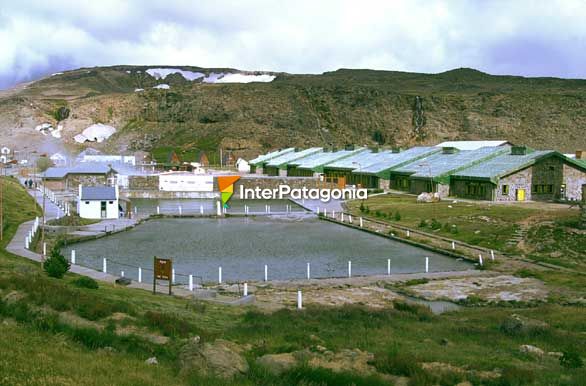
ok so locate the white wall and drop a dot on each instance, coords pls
(185, 182)
(127, 159)
(92, 209)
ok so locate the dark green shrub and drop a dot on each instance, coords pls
(435, 224)
(396, 362)
(56, 265)
(571, 360)
(362, 208)
(397, 216)
(378, 213)
(422, 224)
(86, 282)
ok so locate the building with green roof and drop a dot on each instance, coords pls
(432, 173)
(376, 174)
(314, 164)
(257, 165)
(278, 166)
(521, 174)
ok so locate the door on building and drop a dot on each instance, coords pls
(103, 209)
(520, 194)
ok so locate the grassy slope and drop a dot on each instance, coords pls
(51, 353)
(483, 224)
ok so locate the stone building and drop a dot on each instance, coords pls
(521, 174)
(69, 178)
(432, 173)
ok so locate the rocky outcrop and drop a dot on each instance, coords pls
(220, 358)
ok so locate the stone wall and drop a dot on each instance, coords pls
(459, 188)
(143, 182)
(574, 179)
(519, 180)
(384, 184)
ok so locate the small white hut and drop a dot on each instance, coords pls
(98, 202)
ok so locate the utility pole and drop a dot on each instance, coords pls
(43, 221)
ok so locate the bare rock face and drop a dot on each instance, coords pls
(277, 363)
(521, 325)
(531, 350)
(219, 359)
(428, 197)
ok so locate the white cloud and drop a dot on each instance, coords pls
(39, 37)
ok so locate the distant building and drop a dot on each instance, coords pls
(473, 145)
(98, 202)
(522, 174)
(69, 178)
(185, 182)
(242, 165)
(258, 164)
(109, 159)
(58, 159)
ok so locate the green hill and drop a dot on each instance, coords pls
(365, 107)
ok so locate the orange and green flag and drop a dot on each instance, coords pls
(226, 185)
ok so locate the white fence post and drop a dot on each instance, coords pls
(104, 265)
(158, 210)
(266, 272)
(219, 275)
(408, 233)
(121, 273)
(480, 260)
(317, 212)
(349, 268)
(73, 256)
(453, 245)
(361, 222)
(299, 300)
(492, 255)
(342, 216)
(201, 209)
(173, 276)
(139, 274)
(389, 267)
(190, 282)
(245, 289)
(44, 249)
(308, 271)
(426, 264)
(218, 208)
(350, 218)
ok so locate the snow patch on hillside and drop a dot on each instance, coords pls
(163, 86)
(214, 77)
(95, 133)
(162, 73)
(244, 78)
(47, 128)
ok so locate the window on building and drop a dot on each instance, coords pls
(87, 202)
(549, 189)
(110, 202)
(505, 190)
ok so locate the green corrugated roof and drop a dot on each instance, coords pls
(284, 159)
(390, 160)
(506, 164)
(266, 157)
(440, 165)
(316, 161)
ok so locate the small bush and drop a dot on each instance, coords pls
(362, 208)
(396, 362)
(169, 324)
(454, 229)
(397, 216)
(86, 282)
(435, 225)
(378, 213)
(56, 265)
(422, 224)
(571, 360)
(416, 281)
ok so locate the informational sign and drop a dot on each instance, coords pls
(162, 269)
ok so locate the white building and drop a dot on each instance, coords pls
(4, 154)
(243, 165)
(185, 182)
(98, 202)
(473, 145)
(59, 159)
(105, 158)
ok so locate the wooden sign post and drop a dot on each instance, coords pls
(162, 271)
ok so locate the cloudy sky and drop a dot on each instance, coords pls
(531, 38)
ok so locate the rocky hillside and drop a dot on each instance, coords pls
(193, 109)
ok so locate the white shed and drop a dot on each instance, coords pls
(243, 165)
(98, 202)
(59, 159)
